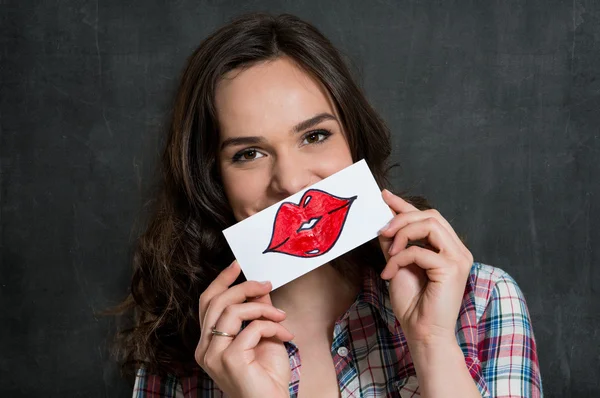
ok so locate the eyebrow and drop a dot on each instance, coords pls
(313, 121)
(306, 124)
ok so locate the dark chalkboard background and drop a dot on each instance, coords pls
(494, 108)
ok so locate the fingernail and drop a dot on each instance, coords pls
(391, 249)
(385, 191)
(232, 263)
(264, 282)
(385, 227)
(280, 310)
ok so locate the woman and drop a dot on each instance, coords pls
(265, 108)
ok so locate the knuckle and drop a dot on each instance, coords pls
(207, 365)
(470, 256)
(229, 360)
(470, 260)
(199, 357)
(253, 326)
(434, 212)
(230, 310)
(413, 250)
(432, 221)
(203, 300)
(209, 361)
(257, 325)
(215, 302)
(399, 234)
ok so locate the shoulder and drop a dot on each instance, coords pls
(484, 277)
(488, 284)
(506, 351)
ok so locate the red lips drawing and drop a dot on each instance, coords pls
(310, 228)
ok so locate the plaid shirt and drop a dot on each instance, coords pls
(371, 356)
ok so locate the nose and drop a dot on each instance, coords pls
(289, 175)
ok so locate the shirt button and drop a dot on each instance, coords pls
(342, 351)
(337, 330)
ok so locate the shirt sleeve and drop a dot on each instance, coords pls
(507, 347)
(153, 386)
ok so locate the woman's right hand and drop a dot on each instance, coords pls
(254, 363)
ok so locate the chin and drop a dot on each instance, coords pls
(240, 216)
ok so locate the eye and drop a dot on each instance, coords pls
(316, 137)
(247, 155)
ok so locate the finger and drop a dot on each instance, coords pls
(401, 241)
(397, 204)
(234, 295)
(266, 299)
(233, 316)
(423, 258)
(434, 213)
(219, 285)
(401, 220)
(248, 338)
(384, 241)
(427, 229)
(405, 218)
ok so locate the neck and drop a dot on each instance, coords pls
(315, 300)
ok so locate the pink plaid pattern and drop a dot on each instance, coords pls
(371, 355)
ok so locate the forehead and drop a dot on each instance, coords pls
(269, 96)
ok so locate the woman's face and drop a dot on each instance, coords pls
(279, 133)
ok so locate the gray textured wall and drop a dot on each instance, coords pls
(494, 108)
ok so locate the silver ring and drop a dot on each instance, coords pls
(219, 333)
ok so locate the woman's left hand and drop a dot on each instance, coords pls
(426, 283)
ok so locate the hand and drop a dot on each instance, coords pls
(255, 362)
(426, 283)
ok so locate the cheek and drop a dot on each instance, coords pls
(243, 192)
(336, 158)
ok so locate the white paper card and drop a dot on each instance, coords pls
(311, 227)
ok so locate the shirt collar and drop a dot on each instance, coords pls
(375, 291)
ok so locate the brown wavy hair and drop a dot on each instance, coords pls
(182, 249)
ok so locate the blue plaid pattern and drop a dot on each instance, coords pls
(371, 355)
